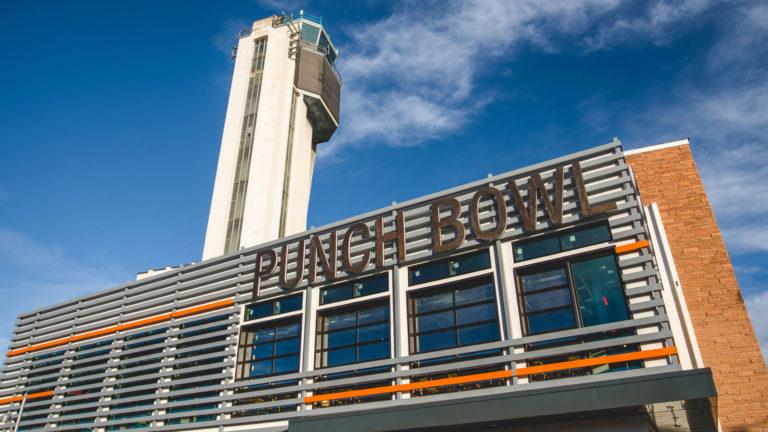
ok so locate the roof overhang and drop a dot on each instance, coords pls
(541, 405)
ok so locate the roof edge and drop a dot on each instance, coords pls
(660, 146)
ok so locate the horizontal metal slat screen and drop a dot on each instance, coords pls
(168, 302)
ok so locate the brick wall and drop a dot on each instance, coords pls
(669, 177)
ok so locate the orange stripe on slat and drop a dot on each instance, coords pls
(125, 326)
(44, 345)
(93, 333)
(631, 247)
(29, 396)
(40, 394)
(145, 321)
(412, 386)
(202, 308)
(616, 358)
(597, 361)
(11, 399)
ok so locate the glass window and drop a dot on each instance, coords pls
(561, 242)
(325, 47)
(353, 334)
(146, 334)
(359, 288)
(309, 33)
(269, 349)
(454, 266)
(273, 307)
(598, 289)
(572, 293)
(457, 315)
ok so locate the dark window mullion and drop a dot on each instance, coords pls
(356, 344)
(554, 288)
(357, 331)
(353, 326)
(574, 299)
(552, 309)
(456, 340)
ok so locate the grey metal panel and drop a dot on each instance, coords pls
(634, 307)
(627, 234)
(418, 371)
(495, 391)
(160, 355)
(315, 74)
(427, 356)
(605, 173)
(629, 277)
(643, 290)
(575, 398)
(170, 279)
(178, 302)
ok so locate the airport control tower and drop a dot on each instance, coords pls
(284, 100)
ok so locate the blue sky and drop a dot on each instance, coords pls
(111, 115)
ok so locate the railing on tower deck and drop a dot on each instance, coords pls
(285, 18)
(627, 348)
(310, 17)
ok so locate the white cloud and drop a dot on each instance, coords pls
(744, 37)
(276, 6)
(226, 38)
(36, 275)
(723, 107)
(659, 21)
(414, 75)
(736, 179)
(757, 306)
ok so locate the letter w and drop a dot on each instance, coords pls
(554, 208)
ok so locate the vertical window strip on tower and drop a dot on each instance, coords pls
(245, 149)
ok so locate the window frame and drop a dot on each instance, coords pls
(449, 285)
(244, 309)
(565, 262)
(320, 306)
(557, 234)
(244, 348)
(356, 304)
(410, 286)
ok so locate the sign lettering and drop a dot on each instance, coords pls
(268, 260)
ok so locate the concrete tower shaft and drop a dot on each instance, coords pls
(284, 100)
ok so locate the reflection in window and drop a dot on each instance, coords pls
(549, 293)
(454, 266)
(458, 315)
(269, 349)
(309, 33)
(273, 307)
(549, 245)
(601, 299)
(353, 335)
(324, 45)
(358, 288)
(593, 353)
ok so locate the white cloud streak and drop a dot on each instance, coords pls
(225, 40)
(417, 76)
(413, 76)
(45, 275)
(757, 306)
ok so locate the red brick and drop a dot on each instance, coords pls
(724, 332)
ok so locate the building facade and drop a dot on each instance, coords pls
(589, 292)
(575, 294)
